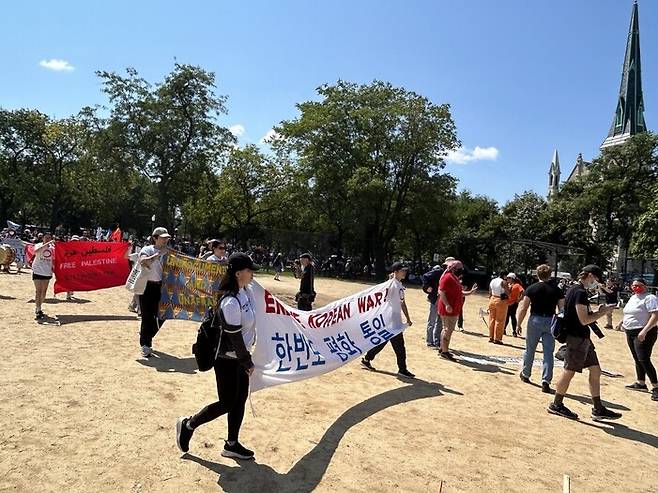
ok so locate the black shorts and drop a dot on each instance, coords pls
(37, 277)
(580, 353)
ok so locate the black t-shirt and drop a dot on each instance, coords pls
(431, 280)
(575, 296)
(544, 297)
(306, 284)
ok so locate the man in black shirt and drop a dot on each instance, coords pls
(431, 287)
(543, 298)
(306, 294)
(580, 352)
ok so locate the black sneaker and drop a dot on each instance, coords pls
(523, 378)
(366, 363)
(237, 451)
(183, 434)
(40, 315)
(642, 387)
(500, 343)
(561, 410)
(654, 394)
(446, 355)
(546, 388)
(406, 373)
(604, 413)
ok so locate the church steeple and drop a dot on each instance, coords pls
(554, 176)
(629, 115)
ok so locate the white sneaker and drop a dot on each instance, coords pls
(146, 352)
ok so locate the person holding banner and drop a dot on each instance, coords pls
(218, 249)
(398, 272)
(233, 365)
(42, 272)
(151, 257)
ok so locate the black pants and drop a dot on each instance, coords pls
(641, 351)
(511, 316)
(304, 304)
(398, 346)
(148, 306)
(232, 392)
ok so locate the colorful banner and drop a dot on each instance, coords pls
(189, 286)
(19, 247)
(90, 265)
(293, 345)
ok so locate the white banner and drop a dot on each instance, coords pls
(19, 247)
(293, 345)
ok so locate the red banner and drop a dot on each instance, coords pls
(90, 265)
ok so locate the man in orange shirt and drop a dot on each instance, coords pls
(515, 295)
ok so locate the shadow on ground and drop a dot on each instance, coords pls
(619, 430)
(74, 319)
(169, 363)
(306, 474)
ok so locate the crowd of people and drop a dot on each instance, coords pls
(543, 303)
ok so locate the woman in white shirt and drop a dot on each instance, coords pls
(640, 320)
(42, 272)
(218, 252)
(151, 257)
(233, 365)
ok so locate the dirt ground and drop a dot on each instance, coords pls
(80, 411)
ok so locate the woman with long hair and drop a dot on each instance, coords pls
(233, 365)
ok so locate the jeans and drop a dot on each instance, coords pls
(539, 327)
(641, 351)
(434, 326)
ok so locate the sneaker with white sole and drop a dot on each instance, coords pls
(183, 434)
(146, 352)
(604, 413)
(561, 410)
(237, 451)
(366, 363)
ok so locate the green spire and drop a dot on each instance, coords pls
(629, 116)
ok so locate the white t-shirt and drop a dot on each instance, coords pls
(42, 265)
(155, 270)
(638, 310)
(241, 314)
(496, 286)
(215, 258)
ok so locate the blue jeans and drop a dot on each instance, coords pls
(539, 327)
(434, 326)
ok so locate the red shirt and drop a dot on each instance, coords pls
(452, 288)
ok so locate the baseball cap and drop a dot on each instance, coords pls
(593, 269)
(75, 238)
(512, 275)
(396, 266)
(448, 260)
(436, 267)
(305, 255)
(238, 261)
(160, 231)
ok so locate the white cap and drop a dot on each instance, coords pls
(512, 275)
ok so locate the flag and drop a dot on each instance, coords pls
(116, 235)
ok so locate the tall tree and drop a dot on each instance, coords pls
(169, 132)
(361, 148)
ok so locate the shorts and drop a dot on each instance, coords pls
(580, 353)
(38, 277)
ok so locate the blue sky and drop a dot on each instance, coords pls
(522, 77)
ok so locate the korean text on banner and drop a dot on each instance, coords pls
(90, 265)
(293, 345)
(189, 286)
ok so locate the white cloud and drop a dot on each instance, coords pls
(57, 65)
(237, 130)
(465, 155)
(269, 136)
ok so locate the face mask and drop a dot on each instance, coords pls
(592, 285)
(458, 272)
(638, 289)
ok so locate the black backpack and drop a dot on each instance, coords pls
(209, 337)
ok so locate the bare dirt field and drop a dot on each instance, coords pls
(80, 411)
